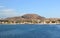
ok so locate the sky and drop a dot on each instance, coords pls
(46, 8)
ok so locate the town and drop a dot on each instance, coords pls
(30, 19)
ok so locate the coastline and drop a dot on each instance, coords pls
(34, 23)
(30, 19)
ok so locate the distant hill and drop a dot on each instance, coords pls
(32, 16)
(26, 17)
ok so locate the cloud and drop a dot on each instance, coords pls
(8, 13)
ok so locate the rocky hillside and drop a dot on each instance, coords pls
(32, 16)
(26, 17)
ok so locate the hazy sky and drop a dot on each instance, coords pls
(46, 8)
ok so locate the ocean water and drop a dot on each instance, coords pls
(29, 31)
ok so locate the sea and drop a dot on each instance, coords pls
(29, 31)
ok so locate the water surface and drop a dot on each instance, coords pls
(29, 31)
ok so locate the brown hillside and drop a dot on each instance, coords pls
(26, 17)
(32, 16)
